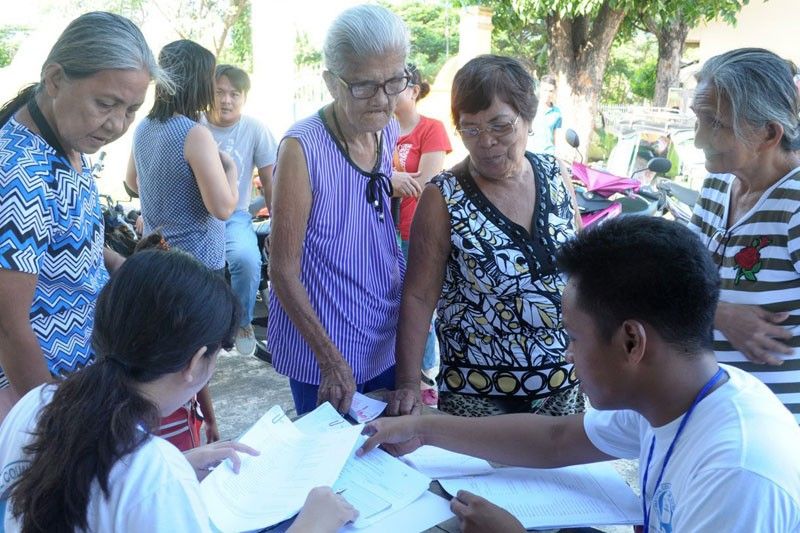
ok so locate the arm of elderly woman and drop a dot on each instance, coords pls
(428, 252)
(20, 354)
(291, 201)
(215, 171)
(754, 331)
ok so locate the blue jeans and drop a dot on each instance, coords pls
(305, 394)
(244, 262)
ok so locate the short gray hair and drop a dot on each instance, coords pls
(759, 87)
(98, 41)
(363, 31)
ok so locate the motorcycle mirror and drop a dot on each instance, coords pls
(572, 138)
(659, 165)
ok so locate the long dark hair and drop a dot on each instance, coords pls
(92, 43)
(157, 311)
(191, 69)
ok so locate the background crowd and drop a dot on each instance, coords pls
(131, 343)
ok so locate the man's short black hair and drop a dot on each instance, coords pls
(238, 77)
(648, 269)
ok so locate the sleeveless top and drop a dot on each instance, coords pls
(351, 266)
(169, 193)
(499, 317)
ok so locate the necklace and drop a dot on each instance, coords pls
(377, 182)
(697, 399)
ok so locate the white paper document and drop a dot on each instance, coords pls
(423, 513)
(574, 496)
(438, 463)
(378, 484)
(273, 486)
(363, 408)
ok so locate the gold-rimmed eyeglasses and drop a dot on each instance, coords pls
(495, 129)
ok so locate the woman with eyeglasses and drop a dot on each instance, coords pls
(748, 214)
(335, 265)
(483, 245)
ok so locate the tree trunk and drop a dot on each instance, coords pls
(671, 38)
(579, 50)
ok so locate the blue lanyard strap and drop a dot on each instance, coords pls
(700, 395)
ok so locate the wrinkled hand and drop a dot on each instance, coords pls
(398, 435)
(404, 401)
(139, 225)
(405, 184)
(476, 514)
(337, 386)
(323, 512)
(205, 458)
(755, 332)
(212, 431)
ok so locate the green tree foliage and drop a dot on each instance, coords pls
(306, 54)
(631, 73)
(434, 33)
(239, 51)
(10, 37)
(670, 21)
(433, 28)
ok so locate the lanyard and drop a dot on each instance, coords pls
(700, 395)
(44, 127)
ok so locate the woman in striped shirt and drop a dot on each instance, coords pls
(748, 214)
(336, 268)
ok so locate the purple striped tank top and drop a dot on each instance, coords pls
(351, 265)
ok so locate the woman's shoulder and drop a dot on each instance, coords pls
(156, 462)
(21, 147)
(310, 124)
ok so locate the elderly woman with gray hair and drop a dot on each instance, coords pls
(748, 214)
(336, 268)
(52, 260)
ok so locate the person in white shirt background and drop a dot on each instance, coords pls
(717, 450)
(252, 146)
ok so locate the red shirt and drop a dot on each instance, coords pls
(428, 136)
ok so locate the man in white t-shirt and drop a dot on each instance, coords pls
(639, 309)
(252, 146)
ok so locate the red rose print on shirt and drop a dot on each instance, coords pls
(748, 260)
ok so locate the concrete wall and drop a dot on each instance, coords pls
(771, 25)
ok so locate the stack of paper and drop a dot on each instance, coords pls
(574, 496)
(376, 484)
(438, 463)
(319, 449)
(273, 486)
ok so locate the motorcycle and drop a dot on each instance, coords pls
(119, 232)
(602, 195)
(676, 200)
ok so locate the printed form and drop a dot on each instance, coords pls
(377, 484)
(574, 496)
(273, 486)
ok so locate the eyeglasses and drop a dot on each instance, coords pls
(496, 130)
(364, 90)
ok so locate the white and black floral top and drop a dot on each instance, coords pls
(499, 316)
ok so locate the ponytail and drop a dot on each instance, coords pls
(16, 103)
(96, 417)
